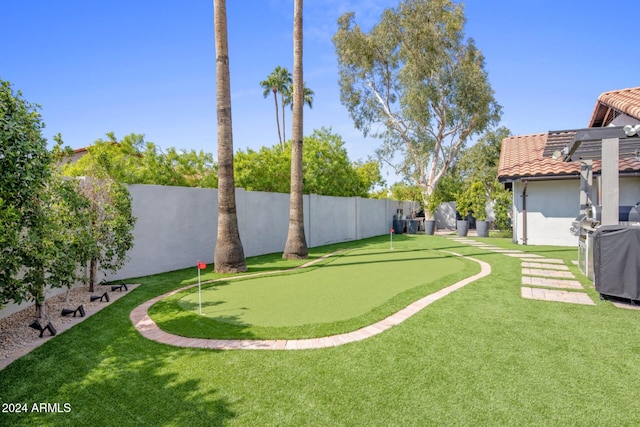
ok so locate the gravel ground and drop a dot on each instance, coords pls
(15, 332)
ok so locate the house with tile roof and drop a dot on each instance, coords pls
(546, 190)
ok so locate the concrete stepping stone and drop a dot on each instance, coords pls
(523, 255)
(551, 283)
(556, 295)
(549, 261)
(547, 273)
(543, 264)
(507, 251)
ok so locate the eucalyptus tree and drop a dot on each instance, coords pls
(279, 81)
(229, 254)
(296, 245)
(416, 83)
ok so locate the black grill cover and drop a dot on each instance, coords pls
(616, 260)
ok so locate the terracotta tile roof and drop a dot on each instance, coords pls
(625, 101)
(522, 157)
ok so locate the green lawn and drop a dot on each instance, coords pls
(480, 356)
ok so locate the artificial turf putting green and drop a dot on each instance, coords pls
(350, 285)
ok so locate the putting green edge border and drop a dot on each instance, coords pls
(150, 330)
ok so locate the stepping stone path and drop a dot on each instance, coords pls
(540, 273)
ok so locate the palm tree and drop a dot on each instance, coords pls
(296, 246)
(278, 81)
(229, 254)
(307, 98)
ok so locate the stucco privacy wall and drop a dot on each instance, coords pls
(177, 226)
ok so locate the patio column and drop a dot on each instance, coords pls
(586, 183)
(610, 184)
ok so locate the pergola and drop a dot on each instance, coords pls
(608, 144)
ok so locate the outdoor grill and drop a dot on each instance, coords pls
(585, 225)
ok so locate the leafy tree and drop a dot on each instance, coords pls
(111, 222)
(296, 244)
(479, 198)
(369, 176)
(268, 169)
(407, 192)
(328, 171)
(449, 186)
(327, 168)
(479, 163)
(42, 233)
(416, 83)
(229, 254)
(25, 166)
(133, 160)
(502, 206)
(478, 168)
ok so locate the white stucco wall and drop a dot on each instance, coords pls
(629, 191)
(177, 226)
(553, 205)
(174, 224)
(263, 221)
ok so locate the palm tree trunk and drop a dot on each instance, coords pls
(275, 99)
(296, 246)
(284, 133)
(229, 254)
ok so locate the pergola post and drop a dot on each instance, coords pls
(610, 181)
(586, 184)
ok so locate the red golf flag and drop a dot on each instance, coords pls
(201, 265)
(393, 231)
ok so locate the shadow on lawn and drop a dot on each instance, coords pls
(114, 376)
(439, 255)
(182, 318)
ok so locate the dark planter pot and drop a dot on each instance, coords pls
(429, 226)
(482, 228)
(463, 228)
(398, 226)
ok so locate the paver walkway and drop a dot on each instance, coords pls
(149, 329)
(542, 273)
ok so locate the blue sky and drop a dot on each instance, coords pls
(148, 66)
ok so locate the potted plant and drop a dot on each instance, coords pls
(463, 206)
(478, 200)
(431, 205)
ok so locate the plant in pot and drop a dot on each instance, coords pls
(463, 206)
(431, 205)
(478, 199)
